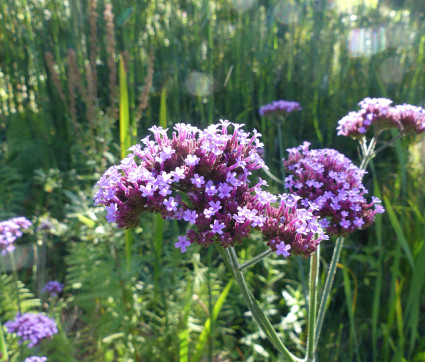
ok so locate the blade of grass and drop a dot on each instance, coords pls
(163, 108)
(399, 231)
(3, 346)
(125, 140)
(379, 279)
(199, 348)
(414, 298)
(184, 332)
(158, 240)
(350, 308)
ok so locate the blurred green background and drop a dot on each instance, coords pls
(73, 73)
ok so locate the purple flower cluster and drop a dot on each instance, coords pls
(379, 113)
(35, 359)
(202, 177)
(410, 118)
(330, 184)
(53, 288)
(10, 230)
(279, 107)
(32, 327)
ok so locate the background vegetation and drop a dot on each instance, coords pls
(66, 67)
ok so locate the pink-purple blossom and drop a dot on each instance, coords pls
(32, 327)
(204, 179)
(10, 230)
(53, 288)
(283, 249)
(35, 359)
(332, 185)
(279, 107)
(182, 243)
(379, 113)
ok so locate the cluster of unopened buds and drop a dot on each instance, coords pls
(379, 113)
(10, 230)
(330, 184)
(203, 178)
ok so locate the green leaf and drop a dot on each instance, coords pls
(125, 140)
(199, 349)
(3, 347)
(125, 135)
(124, 16)
(86, 221)
(163, 109)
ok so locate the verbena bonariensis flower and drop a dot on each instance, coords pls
(410, 118)
(374, 111)
(202, 177)
(35, 359)
(53, 288)
(378, 112)
(32, 327)
(279, 107)
(10, 230)
(330, 184)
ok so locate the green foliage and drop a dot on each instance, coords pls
(8, 298)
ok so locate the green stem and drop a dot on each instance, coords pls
(368, 152)
(15, 276)
(230, 258)
(314, 272)
(328, 286)
(279, 133)
(255, 260)
(18, 297)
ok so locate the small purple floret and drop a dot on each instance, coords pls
(283, 249)
(182, 243)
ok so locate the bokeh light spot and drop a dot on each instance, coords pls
(199, 84)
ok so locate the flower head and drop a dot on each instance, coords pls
(10, 230)
(410, 118)
(32, 327)
(331, 184)
(279, 107)
(53, 288)
(379, 113)
(205, 180)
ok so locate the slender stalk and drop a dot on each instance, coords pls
(15, 276)
(273, 177)
(389, 143)
(255, 259)
(230, 258)
(18, 297)
(279, 133)
(314, 272)
(328, 287)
